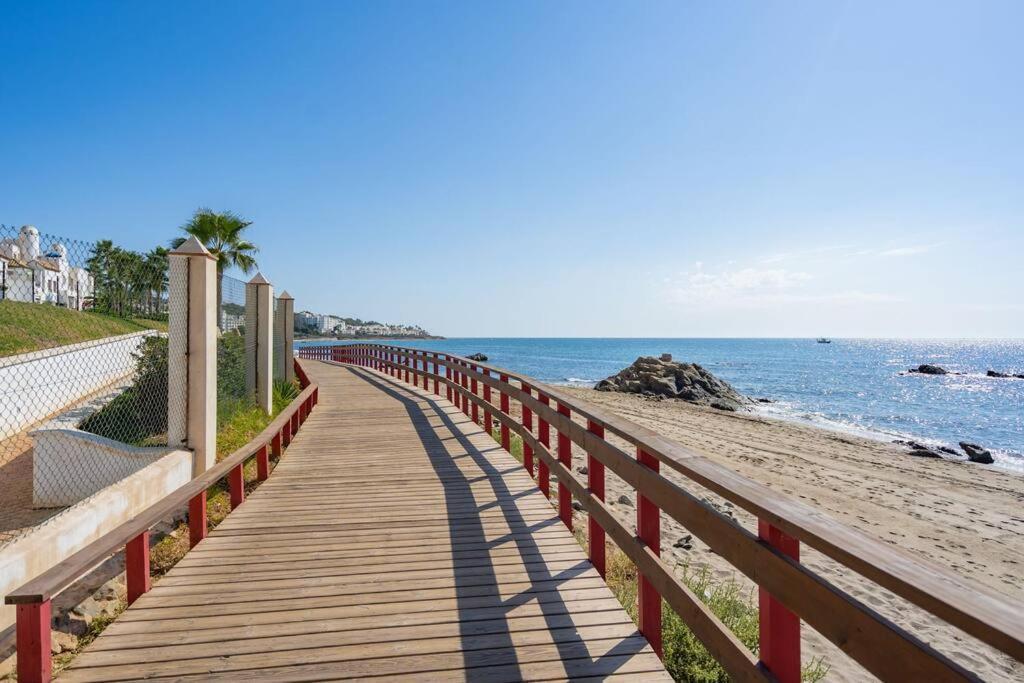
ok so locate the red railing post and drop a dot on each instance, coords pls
(262, 463)
(33, 642)
(136, 566)
(437, 383)
(472, 388)
(196, 519)
(415, 377)
(295, 422)
(527, 423)
(544, 436)
(506, 436)
(564, 457)
(648, 526)
(488, 418)
(595, 482)
(236, 485)
(286, 433)
(779, 628)
(464, 381)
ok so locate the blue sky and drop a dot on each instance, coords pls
(548, 169)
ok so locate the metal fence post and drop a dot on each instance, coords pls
(192, 349)
(259, 341)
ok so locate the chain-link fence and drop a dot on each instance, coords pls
(233, 394)
(83, 370)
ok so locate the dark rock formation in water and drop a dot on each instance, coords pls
(919, 449)
(1003, 375)
(926, 369)
(976, 453)
(478, 357)
(686, 381)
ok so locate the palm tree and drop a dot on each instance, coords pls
(156, 278)
(221, 234)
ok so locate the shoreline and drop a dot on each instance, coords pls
(959, 515)
(1005, 460)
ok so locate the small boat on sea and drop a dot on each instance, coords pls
(823, 340)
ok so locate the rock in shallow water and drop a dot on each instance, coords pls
(976, 453)
(686, 381)
(926, 369)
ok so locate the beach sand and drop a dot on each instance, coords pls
(964, 516)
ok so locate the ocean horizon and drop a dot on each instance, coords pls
(853, 385)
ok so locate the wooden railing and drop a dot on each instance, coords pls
(788, 590)
(33, 599)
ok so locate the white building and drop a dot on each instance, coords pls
(27, 274)
(323, 323)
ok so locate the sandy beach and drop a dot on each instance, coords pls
(967, 517)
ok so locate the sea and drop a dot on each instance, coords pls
(857, 386)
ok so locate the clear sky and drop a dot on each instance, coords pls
(552, 168)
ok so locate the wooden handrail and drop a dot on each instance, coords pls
(767, 558)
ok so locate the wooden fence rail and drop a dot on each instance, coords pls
(788, 590)
(33, 599)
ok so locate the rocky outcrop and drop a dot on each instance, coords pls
(976, 453)
(926, 369)
(686, 381)
(1003, 375)
(478, 357)
(919, 449)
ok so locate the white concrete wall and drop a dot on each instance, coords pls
(37, 384)
(59, 537)
(69, 465)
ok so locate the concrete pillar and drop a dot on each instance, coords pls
(259, 341)
(286, 315)
(192, 353)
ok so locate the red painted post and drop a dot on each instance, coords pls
(488, 418)
(779, 627)
(275, 445)
(648, 527)
(262, 463)
(437, 383)
(295, 422)
(196, 519)
(472, 388)
(464, 381)
(544, 436)
(506, 436)
(564, 457)
(236, 485)
(415, 377)
(136, 566)
(32, 635)
(595, 482)
(286, 433)
(528, 425)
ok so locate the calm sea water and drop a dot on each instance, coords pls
(853, 385)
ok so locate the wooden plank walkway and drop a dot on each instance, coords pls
(395, 540)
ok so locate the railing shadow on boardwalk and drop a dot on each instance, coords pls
(467, 571)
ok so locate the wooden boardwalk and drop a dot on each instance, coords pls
(395, 540)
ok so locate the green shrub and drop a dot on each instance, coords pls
(686, 658)
(139, 413)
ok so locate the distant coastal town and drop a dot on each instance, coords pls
(310, 324)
